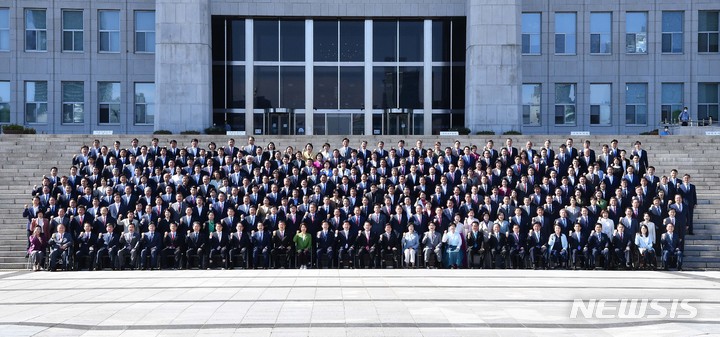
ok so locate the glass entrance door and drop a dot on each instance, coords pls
(279, 121)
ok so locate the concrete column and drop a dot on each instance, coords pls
(182, 65)
(493, 67)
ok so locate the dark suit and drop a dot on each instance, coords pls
(497, 243)
(261, 249)
(622, 245)
(579, 248)
(107, 245)
(151, 245)
(196, 244)
(325, 243)
(219, 249)
(282, 244)
(174, 244)
(671, 247)
(537, 248)
(390, 244)
(345, 243)
(689, 194)
(85, 247)
(599, 245)
(475, 247)
(366, 246)
(516, 245)
(240, 245)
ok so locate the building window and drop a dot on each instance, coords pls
(342, 41)
(531, 103)
(600, 104)
(4, 102)
(73, 102)
(145, 31)
(565, 24)
(672, 32)
(109, 28)
(279, 40)
(109, 102)
(565, 100)
(636, 33)
(35, 30)
(72, 23)
(531, 30)
(708, 101)
(708, 31)
(672, 102)
(636, 104)
(36, 97)
(600, 33)
(145, 103)
(4, 29)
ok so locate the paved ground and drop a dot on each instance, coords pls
(351, 303)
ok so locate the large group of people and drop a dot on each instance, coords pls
(460, 206)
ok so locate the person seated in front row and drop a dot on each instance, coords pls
(558, 248)
(671, 246)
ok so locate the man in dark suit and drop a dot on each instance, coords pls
(681, 215)
(366, 243)
(622, 243)
(85, 246)
(689, 196)
(151, 243)
(516, 244)
(537, 246)
(240, 245)
(261, 247)
(579, 247)
(128, 245)
(219, 247)
(196, 243)
(671, 247)
(389, 243)
(599, 246)
(282, 244)
(174, 246)
(251, 221)
(107, 245)
(497, 243)
(475, 245)
(324, 244)
(345, 243)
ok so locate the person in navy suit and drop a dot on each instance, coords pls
(174, 246)
(537, 246)
(580, 253)
(689, 195)
(107, 245)
(219, 249)
(151, 243)
(516, 247)
(599, 246)
(671, 247)
(261, 246)
(325, 243)
(622, 244)
(345, 242)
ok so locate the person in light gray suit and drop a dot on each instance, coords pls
(128, 245)
(61, 244)
(432, 244)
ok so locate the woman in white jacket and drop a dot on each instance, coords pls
(645, 246)
(558, 247)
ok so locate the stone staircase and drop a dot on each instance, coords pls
(29, 157)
